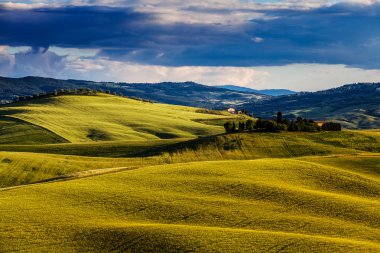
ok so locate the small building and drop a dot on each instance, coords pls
(231, 110)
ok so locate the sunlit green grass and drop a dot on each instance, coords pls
(105, 117)
(241, 206)
(367, 163)
(13, 132)
(95, 149)
(136, 179)
(25, 167)
(245, 146)
(230, 146)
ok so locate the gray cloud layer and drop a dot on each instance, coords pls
(207, 36)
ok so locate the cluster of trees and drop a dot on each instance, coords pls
(80, 91)
(331, 126)
(281, 124)
(305, 125)
(242, 126)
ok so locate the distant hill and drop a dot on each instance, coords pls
(268, 92)
(187, 93)
(353, 105)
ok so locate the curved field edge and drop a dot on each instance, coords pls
(264, 204)
(15, 131)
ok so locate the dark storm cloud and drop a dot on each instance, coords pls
(339, 34)
(68, 26)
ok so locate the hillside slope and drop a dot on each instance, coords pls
(15, 132)
(219, 147)
(269, 205)
(245, 146)
(355, 106)
(25, 167)
(105, 118)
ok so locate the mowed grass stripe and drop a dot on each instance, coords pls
(265, 204)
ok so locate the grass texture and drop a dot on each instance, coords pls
(265, 205)
(135, 178)
(14, 132)
(106, 118)
(18, 168)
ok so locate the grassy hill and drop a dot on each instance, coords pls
(32, 163)
(245, 146)
(269, 205)
(109, 174)
(108, 118)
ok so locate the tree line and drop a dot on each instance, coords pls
(79, 91)
(281, 124)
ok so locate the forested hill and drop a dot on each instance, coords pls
(269, 92)
(187, 93)
(353, 105)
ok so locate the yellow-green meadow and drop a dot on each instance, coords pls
(110, 174)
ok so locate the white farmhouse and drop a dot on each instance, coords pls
(231, 110)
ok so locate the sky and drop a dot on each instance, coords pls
(262, 44)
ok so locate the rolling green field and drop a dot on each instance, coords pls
(160, 178)
(270, 205)
(106, 118)
(43, 162)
